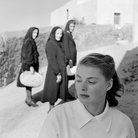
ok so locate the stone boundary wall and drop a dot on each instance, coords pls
(86, 37)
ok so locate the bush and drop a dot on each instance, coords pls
(94, 36)
(126, 32)
(79, 22)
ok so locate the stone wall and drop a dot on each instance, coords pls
(86, 37)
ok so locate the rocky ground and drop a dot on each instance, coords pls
(17, 120)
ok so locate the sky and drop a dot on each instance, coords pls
(22, 14)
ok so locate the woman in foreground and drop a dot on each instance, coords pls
(93, 114)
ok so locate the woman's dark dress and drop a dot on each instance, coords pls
(29, 57)
(70, 47)
(71, 53)
(56, 64)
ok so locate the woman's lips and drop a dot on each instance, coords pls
(84, 96)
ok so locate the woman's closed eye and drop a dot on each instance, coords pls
(91, 82)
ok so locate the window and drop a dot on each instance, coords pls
(117, 18)
(67, 14)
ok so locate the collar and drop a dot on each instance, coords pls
(68, 31)
(83, 116)
(70, 34)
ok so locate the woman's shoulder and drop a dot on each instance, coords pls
(51, 43)
(123, 123)
(68, 108)
(121, 116)
(66, 34)
(28, 40)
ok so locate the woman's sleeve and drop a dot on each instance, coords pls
(50, 127)
(52, 59)
(28, 51)
(66, 46)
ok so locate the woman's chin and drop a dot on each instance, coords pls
(83, 98)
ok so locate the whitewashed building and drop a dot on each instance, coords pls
(115, 12)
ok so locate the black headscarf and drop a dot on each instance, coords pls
(30, 32)
(35, 52)
(67, 25)
(52, 34)
(52, 37)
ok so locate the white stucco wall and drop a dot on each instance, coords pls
(87, 9)
(94, 11)
(59, 16)
(77, 8)
(107, 8)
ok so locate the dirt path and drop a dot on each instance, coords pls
(17, 120)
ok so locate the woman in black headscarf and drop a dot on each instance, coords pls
(69, 43)
(56, 77)
(71, 53)
(29, 60)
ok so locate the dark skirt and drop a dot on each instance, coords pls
(52, 90)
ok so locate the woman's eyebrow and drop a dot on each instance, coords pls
(78, 76)
(86, 78)
(92, 78)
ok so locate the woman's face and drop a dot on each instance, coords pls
(58, 34)
(35, 32)
(91, 85)
(71, 27)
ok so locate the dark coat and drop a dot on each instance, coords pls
(69, 44)
(70, 47)
(56, 64)
(29, 55)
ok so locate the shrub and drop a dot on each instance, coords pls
(94, 36)
(126, 32)
(79, 22)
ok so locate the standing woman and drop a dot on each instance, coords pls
(29, 60)
(56, 78)
(71, 54)
(69, 43)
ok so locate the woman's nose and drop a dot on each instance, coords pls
(84, 86)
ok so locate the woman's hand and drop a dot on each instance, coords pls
(58, 78)
(70, 63)
(32, 70)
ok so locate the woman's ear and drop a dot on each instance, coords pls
(110, 84)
